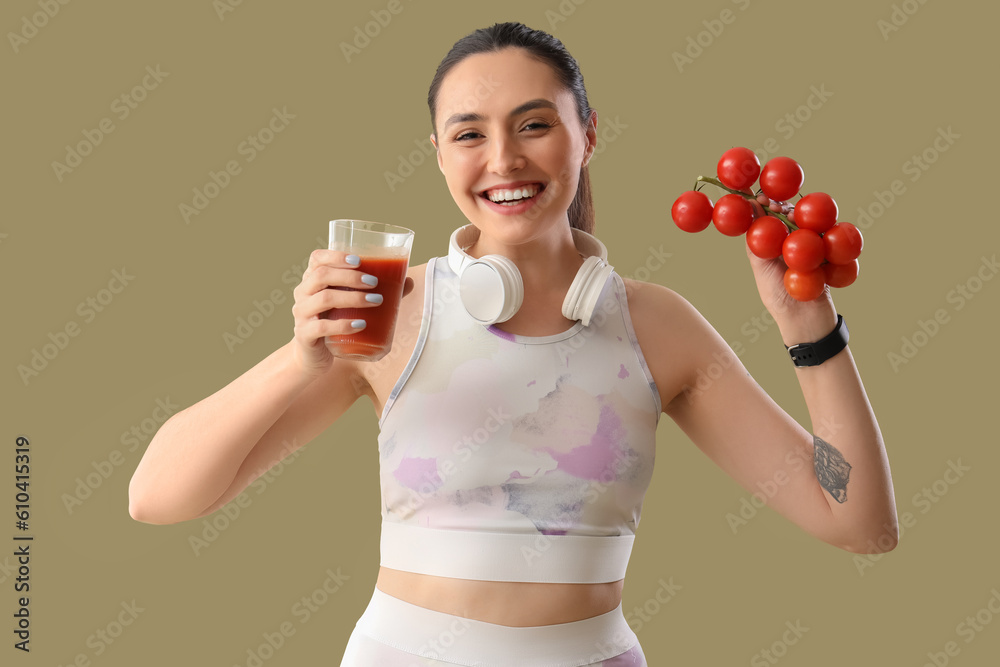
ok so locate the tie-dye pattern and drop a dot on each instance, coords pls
(491, 432)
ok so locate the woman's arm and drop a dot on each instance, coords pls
(204, 456)
(834, 482)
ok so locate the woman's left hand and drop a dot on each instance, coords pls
(798, 321)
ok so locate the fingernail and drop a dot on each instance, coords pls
(369, 280)
(373, 298)
(358, 324)
(353, 260)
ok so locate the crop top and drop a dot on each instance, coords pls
(516, 458)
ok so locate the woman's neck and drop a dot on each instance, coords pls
(543, 262)
(547, 266)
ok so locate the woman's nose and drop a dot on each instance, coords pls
(504, 155)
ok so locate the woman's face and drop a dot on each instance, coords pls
(503, 119)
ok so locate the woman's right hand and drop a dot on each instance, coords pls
(313, 300)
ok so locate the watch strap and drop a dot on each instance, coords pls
(813, 354)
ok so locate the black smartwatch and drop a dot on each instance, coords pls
(813, 354)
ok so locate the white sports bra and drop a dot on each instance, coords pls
(517, 458)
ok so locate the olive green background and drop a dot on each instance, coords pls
(162, 337)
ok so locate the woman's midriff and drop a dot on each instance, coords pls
(519, 604)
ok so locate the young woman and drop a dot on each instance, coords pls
(517, 440)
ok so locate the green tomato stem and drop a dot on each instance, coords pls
(714, 181)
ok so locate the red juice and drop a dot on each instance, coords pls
(374, 341)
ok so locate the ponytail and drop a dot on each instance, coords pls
(581, 210)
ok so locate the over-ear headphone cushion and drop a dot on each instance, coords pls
(491, 289)
(583, 294)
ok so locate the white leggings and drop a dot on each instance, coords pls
(395, 633)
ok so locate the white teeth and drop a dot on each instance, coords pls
(509, 195)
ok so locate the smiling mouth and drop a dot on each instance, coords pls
(513, 196)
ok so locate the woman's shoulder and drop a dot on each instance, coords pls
(415, 296)
(661, 317)
(652, 302)
(670, 332)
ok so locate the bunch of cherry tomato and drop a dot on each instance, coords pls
(817, 249)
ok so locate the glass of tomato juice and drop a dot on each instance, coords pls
(385, 253)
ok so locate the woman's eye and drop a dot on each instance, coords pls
(467, 136)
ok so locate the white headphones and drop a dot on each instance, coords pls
(491, 288)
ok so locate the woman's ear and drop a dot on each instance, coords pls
(438, 151)
(591, 135)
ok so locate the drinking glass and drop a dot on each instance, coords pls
(385, 253)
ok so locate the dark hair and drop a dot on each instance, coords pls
(547, 49)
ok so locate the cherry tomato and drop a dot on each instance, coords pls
(732, 215)
(842, 243)
(781, 178)
(692, 211)
(766, 236)
(841, 275)
(804, 285)
(738, 168)
(816, 211)
(803, 250)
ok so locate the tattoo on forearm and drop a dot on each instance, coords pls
(832, 470)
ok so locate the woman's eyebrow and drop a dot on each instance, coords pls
(538, 103)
